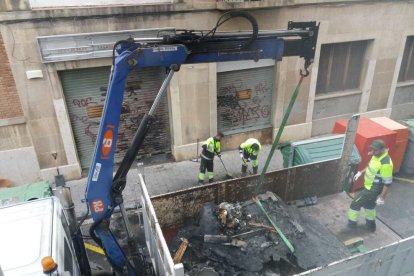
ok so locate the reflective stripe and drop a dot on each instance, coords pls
(353, 215)
(212, 145)
(255, 163)
(201, 176)
(370, 214)
(387, 180)
(205, 157)
(217, 146)
(373, 172)
(210, 175)
(376, 171)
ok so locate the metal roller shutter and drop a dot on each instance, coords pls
(244, 99)
(85, 91)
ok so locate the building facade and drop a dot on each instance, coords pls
(57, 59)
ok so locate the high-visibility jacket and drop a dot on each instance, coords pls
(247, 147)
(210, 146)
(379, 171)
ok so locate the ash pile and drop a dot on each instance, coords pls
(238, 239)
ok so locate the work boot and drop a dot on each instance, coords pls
(371, 226)
(255, 169)
(352, 224)
(201, 182)
(211, 180)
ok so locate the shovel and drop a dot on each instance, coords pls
(228, 176)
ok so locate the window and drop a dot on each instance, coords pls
(340, 66)
(407, 64)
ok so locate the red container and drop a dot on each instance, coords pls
(401, 139)
(367, 132)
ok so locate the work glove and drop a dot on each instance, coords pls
(380, 201)
(357, 175)
(248, 159)
(219, 154)
(241, 155)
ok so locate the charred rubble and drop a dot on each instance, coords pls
(237, 239)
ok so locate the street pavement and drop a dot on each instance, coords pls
(398, 211)
(170, 176)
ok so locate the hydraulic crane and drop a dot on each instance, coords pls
(104, 192)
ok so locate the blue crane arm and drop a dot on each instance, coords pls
(104, 192)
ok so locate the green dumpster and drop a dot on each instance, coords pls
(318, 150)
(24, 193)
(407, 165)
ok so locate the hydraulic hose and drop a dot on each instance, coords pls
(251, 19)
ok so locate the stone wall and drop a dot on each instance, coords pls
(9, 100)
(385, 24)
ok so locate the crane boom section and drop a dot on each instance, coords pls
(104, 192)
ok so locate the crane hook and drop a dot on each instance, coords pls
(305, 68)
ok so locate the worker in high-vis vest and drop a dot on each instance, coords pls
(210, 147)
(249, 151)
(377, 180)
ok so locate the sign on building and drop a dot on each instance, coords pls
(39, 4)
(90, 45)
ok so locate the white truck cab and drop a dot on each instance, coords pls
(32, 230)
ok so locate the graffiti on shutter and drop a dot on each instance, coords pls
(85, 91)
(244, 99)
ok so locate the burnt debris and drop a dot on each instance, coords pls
(237, 239)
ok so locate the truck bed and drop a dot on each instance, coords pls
(394, 223)
(395, 220)
(331, 211)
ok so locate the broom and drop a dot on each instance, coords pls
(228, 176)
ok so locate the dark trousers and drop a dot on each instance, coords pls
(208, 165)
(365, 199)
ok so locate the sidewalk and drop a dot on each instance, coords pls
(174, 176)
